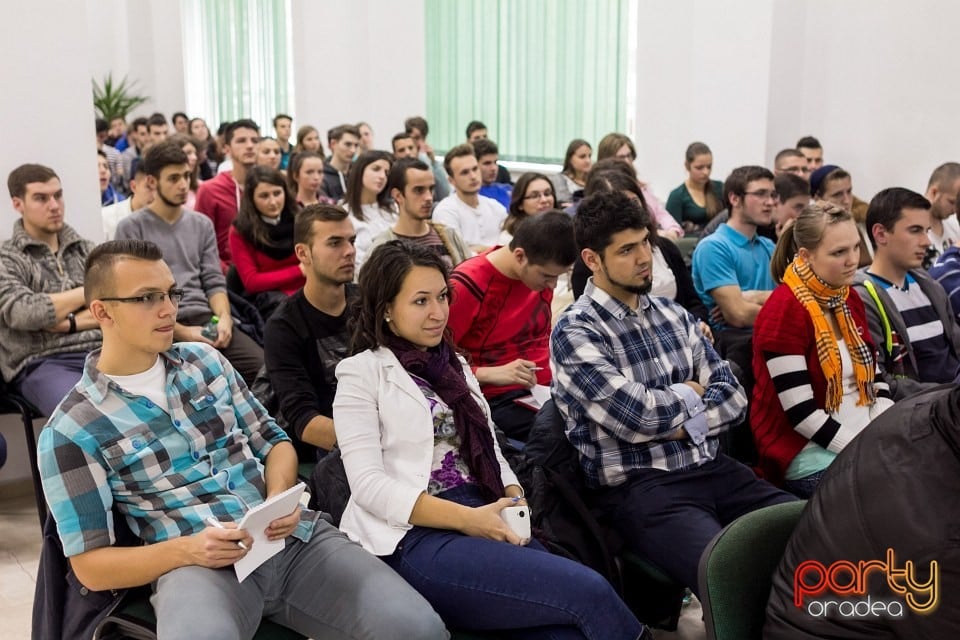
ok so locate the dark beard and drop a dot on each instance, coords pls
(168, 202)
(640, 290)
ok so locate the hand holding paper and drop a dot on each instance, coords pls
(277, 510)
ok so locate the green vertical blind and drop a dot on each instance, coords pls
(238, 59)
(538, 73)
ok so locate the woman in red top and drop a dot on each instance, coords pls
(261, 241)
(817, 382)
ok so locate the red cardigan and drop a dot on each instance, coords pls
(784, 327)
(259, 272)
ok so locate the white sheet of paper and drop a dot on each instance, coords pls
(539, 394)
(256, 521)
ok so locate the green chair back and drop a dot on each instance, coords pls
(736, 571)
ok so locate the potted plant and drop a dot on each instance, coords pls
(116, 100)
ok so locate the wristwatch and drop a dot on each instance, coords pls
(72, 317)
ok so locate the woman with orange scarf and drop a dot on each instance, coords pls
(817, 383)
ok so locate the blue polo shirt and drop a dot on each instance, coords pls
(727, 257)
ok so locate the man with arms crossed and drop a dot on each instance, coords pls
(45, 328)
(731, 267)
(645, 397)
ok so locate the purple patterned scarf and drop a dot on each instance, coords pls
(441, 368)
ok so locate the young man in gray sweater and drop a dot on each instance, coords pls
(189, 246)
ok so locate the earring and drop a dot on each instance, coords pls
(387, 318)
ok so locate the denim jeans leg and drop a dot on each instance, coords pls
(804, 487)
(46, 382)
(480, 584)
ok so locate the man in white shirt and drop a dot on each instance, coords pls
(143, 195)
(476, 218)
(942, 191)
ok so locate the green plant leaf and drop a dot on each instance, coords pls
(116, 100)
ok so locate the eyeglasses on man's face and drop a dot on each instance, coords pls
(151, 299)
(763, 194)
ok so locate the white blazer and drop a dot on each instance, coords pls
(385, 431)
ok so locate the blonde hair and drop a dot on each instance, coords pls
(806, 232)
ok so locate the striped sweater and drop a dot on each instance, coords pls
(788, 400)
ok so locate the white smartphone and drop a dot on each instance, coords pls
(518, 518)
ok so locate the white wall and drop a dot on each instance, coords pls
(49, 120)
(870, 78)
(141, 40)
(703, 74)
(879, 88)
(359, 60)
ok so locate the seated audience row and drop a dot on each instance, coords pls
(820, 348)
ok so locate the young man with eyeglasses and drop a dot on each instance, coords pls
(731, 267)
(168, 437)
(189, 246)
(46, 329)
(500, 313)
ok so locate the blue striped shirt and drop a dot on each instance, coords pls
(165, 471)
(618, 382)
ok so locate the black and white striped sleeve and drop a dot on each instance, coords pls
(792, 383)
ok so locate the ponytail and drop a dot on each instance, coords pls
(783, 254)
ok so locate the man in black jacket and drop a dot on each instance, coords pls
(876, 553)
(307, 336)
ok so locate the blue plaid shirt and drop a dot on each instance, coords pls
(166, 471)
(618, 384)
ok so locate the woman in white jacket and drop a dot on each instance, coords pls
(428, 480)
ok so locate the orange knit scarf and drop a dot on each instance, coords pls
(816, 295)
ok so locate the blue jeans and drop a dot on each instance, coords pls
(669, 517)
(479, 584)
(44, 382)
(804, 487)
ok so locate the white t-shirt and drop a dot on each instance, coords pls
(375, 221)
(852, 418)
(951, 233)
(112, 215)
(664, 282)
(151, 384)
(477, 227)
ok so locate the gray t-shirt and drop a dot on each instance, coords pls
(189, 247)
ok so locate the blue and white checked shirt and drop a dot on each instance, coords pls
(166, 471)
(618, 377)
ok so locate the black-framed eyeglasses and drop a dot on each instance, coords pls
(152, 298)
(763, 194)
